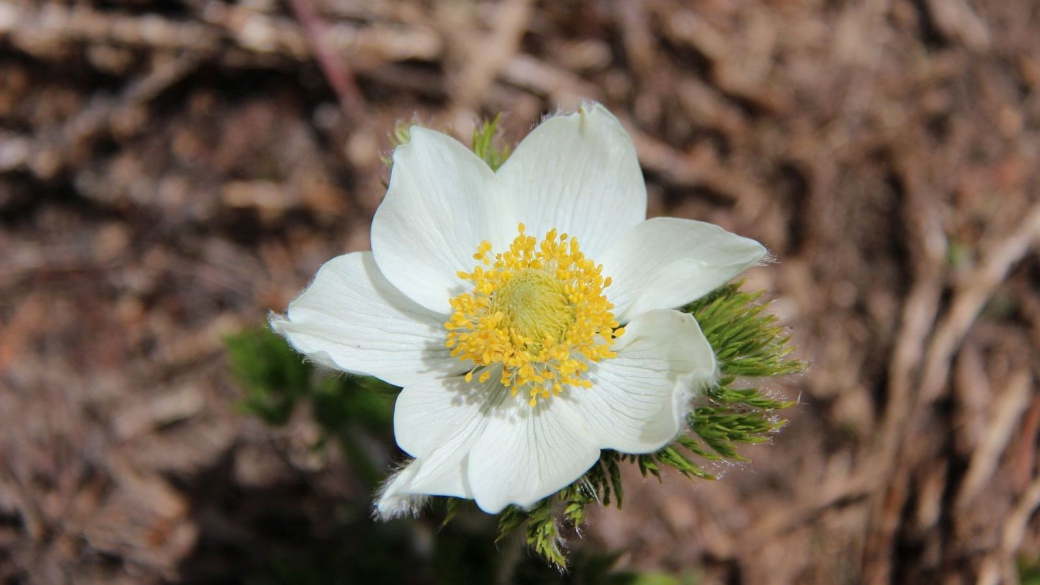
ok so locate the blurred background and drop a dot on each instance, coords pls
(171, 170)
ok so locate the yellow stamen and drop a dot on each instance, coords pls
(539, 310)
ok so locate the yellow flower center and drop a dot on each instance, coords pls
(537, 309)
(535, 304)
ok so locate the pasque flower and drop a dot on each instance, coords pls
(528, 313)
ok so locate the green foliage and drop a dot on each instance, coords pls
(1029, 571)
(275, 380)
(748, 343)
(401, 135)
(270, 373)
(541, 528)
(959, 255)
(486, 147)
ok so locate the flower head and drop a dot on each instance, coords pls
(527, 313)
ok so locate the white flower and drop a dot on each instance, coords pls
(528, 314)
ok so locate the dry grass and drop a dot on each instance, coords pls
(171, 170)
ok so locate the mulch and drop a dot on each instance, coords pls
(172, 170)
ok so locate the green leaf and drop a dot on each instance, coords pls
(401, 135)
(746, 341)
(485, 146)
(272, 376)
(510, 519)
(543, 533)
(274, 380)
(453, 507)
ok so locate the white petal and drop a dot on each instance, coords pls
(442, 202)
(639, 399)
(579, 174)
(526, 454)
(443, 412)
(437, 421)
(395, 499)
(665, 263)
(350, 318)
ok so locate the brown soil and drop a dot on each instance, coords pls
(170, 170)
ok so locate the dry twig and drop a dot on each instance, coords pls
(337, 72)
